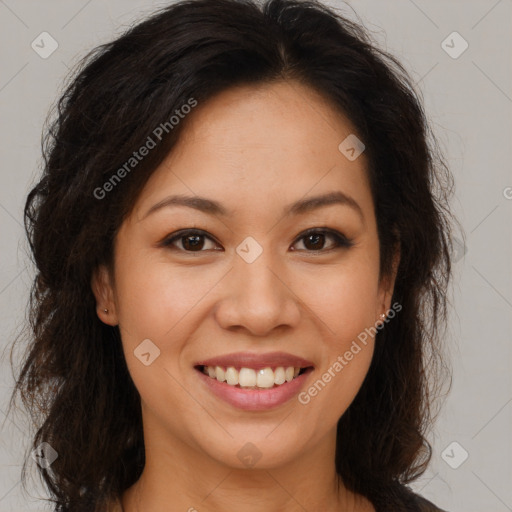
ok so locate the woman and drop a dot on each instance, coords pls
(242, 245)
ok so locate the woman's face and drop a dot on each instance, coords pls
(251, 282)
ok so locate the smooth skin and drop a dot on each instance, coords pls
(255, 150)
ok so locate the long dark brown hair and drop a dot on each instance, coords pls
(73, 378)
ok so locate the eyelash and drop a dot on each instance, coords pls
(340, 240)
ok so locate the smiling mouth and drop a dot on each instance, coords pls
(249, 378)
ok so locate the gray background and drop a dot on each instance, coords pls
(468, 100)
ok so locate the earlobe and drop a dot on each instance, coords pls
(103, 292)
(388, 285)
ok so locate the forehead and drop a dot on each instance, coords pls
(284, 116)
(252, 143)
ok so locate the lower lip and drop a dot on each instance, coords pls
(255, 399)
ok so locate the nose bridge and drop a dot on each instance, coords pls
(256, 284)
(257, 297)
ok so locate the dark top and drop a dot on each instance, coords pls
(403, 499)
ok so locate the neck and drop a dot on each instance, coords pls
(193, 481)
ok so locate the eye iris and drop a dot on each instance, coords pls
(315, 237)
(196, 243)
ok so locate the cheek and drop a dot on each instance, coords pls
(163, 304)
(345, 305)
(344, 299)
(345, 308)
(152, 297)
(153, 304)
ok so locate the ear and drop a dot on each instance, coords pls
(101, 284)
(387, 286)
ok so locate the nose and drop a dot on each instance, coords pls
(258, 297)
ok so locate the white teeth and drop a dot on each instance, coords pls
(246, 377)
(279, 376)
(219, 374)
(264, 378)
(231, 376)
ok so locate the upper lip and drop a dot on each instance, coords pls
(256, 361)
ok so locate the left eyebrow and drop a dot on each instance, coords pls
(315, 202)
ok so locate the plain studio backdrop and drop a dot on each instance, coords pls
(459, 54)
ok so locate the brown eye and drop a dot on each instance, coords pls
(193, 242)
(190, 241)
(314, 242)
(315, 239)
